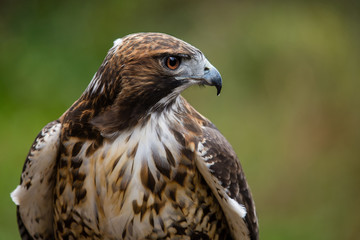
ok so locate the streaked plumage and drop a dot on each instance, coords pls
(131, 159)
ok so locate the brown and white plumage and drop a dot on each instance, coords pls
(131, 159)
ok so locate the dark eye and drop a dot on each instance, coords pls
(172, 62)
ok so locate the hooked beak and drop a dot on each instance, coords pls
(212, 77)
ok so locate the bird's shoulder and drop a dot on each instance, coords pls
(219, 165)
(36, 185)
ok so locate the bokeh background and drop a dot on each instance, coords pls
(290, 103)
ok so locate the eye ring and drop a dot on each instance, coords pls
(172, 62)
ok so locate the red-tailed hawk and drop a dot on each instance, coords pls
(131, 159)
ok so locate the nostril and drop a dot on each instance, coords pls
(206, 69)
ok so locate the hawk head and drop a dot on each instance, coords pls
(144, 73)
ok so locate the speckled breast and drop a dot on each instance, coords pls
(134, 187)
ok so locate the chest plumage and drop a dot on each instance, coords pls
(142, 184)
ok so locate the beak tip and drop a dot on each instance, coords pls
(218, 88)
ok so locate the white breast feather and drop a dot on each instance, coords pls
(147, 139)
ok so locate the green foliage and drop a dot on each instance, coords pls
(289, 106)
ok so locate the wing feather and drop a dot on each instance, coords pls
(221, 169)
(35, 192)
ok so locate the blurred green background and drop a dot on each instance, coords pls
(290, 104)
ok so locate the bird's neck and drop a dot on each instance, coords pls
(113, 116)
